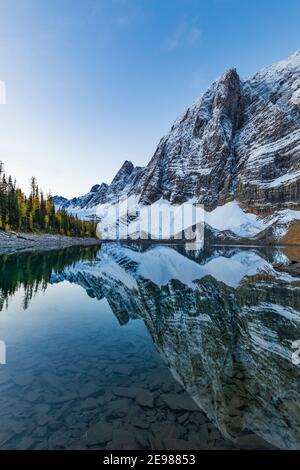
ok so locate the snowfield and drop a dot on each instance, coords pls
(114, 223)
(230, 216)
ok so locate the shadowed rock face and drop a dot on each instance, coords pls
(240, 141)
(229, 341)
(196, 158)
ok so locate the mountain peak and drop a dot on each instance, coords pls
(295, 54)
(128, 165)
(97, 187)
(230, 74)
(125, 170)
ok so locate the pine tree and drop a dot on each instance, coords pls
(35, 213)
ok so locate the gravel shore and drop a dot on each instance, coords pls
(10, 242)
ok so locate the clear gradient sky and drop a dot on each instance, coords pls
(91, 83)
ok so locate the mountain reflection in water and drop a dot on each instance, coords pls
(223, 320)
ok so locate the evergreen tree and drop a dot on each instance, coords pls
(35, 213)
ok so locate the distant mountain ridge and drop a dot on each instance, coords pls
(240, 141)
(124, 180)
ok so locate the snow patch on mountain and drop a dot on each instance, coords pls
(230, 216)
(287, 178)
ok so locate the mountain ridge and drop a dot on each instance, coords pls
(239, 141)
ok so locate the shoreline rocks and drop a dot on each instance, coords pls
(12, 242)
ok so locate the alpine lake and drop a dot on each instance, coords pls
(140, 346)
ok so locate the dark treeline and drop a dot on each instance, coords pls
(36, 212)
(33, 270)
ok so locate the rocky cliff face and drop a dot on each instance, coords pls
(227, 340)
(240, 141)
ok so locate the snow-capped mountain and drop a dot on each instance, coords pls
(238, 144)
(122, 183)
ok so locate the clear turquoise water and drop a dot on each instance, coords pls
(108, 359)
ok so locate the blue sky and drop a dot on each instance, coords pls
(91, 83)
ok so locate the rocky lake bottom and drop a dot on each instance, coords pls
(92, 384)
(86, 369)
